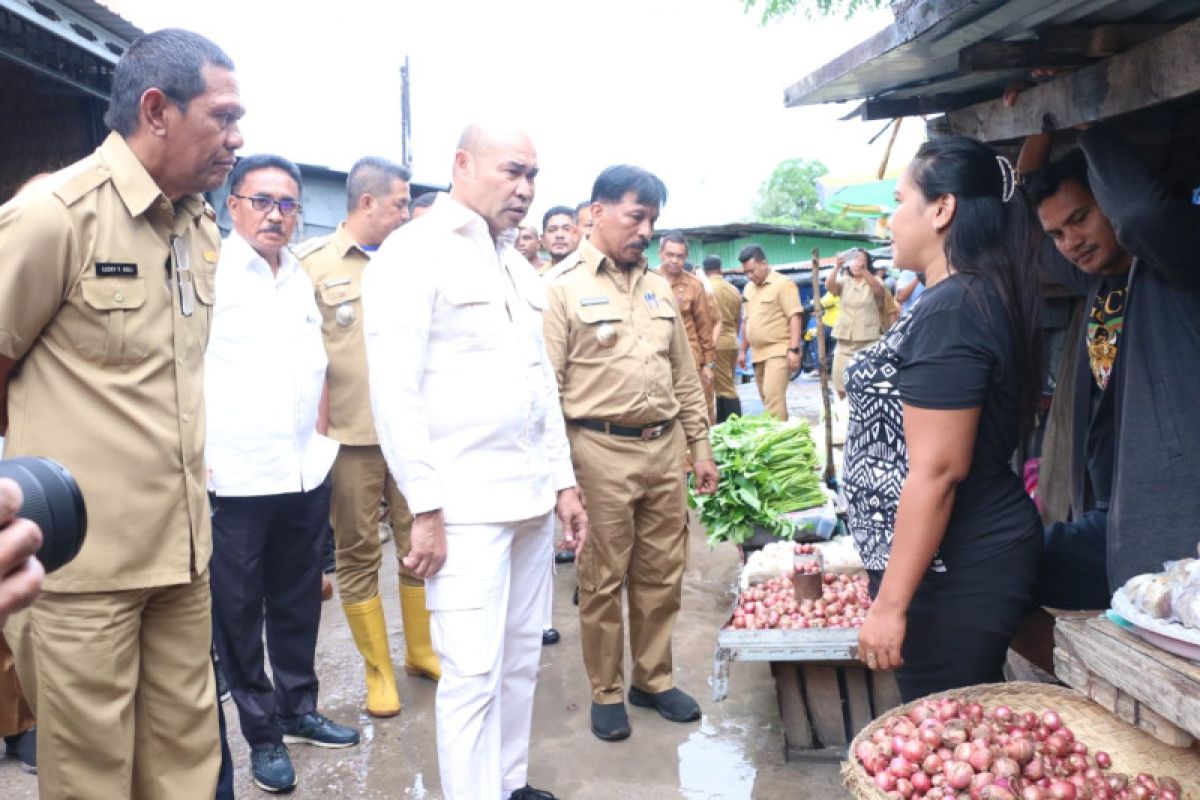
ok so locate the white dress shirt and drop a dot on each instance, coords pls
(263, 375)
(465, 402)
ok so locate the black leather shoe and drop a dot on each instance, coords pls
(527, 792)
(610, 722)
(550, 636)
(671, 704)
(564, 557)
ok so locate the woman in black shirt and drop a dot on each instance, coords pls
(937, 408)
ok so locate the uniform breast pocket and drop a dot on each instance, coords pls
(341, 308)
(662, 327)
(473, 321)
(604, 332)
(206, 295)
(113, 326)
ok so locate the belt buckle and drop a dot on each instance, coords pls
(653, 432)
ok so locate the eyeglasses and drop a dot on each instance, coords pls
(287, 206)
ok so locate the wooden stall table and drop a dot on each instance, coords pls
(826, 696)
(1144, 685)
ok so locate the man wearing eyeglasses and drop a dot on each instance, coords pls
(264, 373)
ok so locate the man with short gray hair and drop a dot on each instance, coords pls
(107, 275)
(377, 196)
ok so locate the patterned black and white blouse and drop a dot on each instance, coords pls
(951, 350)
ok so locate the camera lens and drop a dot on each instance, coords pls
(54, 502)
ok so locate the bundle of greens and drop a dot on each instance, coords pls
(767, 468)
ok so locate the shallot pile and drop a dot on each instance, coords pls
(954, 748)
(843, 604)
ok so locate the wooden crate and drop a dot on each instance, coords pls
(823, 705)
(1143, 685)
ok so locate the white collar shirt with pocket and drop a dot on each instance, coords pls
(465, 403)
(264, 372)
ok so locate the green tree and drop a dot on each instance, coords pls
(790, 197)
(771, 10)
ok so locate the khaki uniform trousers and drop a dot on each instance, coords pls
(772, 378)
(843, 354)
(123, 689)
(360, 480)
(723, 377)
(637, 517)
(15, 715)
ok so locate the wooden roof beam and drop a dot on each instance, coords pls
(1063, 46)
(1161, 69)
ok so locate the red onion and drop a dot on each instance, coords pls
(963, 751)
(1057, 745)
(885, 781)
(978, 781)
(1002, 714)
(914, 750)
(1006, 767)
(1168, 784)
(980, 759)
(1020, 750)
(1034, 770)
(921, 782)
(948, 709)
(958, 774)
(901, 767)
(932, 764)
(1062, 790)
(1051, 720)
(1103, 760)
(1032, 793)
(904, 787)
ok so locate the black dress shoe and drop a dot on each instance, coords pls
(610, 722)
(671, 704)
(550, 636)
(564, 557)
(527, 792)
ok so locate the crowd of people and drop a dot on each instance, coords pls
(221, 402)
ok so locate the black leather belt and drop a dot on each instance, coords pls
(644, 433)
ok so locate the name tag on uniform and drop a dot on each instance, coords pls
(593, 301)
(114, 269)
(329, 284)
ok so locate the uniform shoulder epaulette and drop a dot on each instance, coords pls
(77, 182)
(309, 246)
(564, 271)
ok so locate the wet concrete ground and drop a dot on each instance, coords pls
(734, 753)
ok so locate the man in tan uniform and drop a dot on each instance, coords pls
(632, 400)
(106, 292)
(694, 309)
(378, 203)
(772, 329)
(728, 302)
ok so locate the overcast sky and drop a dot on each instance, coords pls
(689, 89)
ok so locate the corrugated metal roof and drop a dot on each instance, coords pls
(105, 17)
(923, 59)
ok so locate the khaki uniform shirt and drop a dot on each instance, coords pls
(859, 320)
(619, 350)
(696, 313)
(769, 307)
(335, 264)
(110, 354)
(729, 307)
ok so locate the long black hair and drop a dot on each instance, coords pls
(994, 236)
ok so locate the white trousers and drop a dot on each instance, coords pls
(487, 605)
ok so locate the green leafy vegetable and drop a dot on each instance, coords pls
(767, 468)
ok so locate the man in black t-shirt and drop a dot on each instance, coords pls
(1129, 247)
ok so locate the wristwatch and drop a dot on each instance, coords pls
(711, 365)
(793, 349)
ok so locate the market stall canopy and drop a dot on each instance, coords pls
(957, 56)
(872, 199)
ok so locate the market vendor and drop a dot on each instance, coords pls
(949, 538)
(1130, 246)
(632, 401)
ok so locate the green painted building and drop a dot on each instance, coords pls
(786, 247)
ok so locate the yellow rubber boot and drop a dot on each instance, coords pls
(419, 658)
(370, 634)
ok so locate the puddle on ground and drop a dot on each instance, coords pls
(713, 765)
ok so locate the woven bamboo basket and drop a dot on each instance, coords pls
(1132, 750)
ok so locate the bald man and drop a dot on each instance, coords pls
(449, 305)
